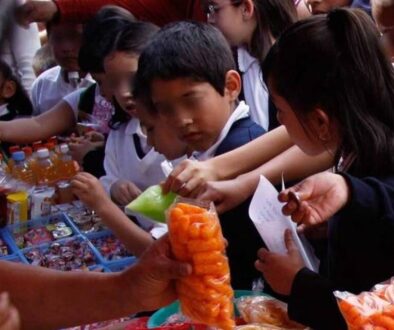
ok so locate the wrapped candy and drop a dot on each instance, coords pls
(369, 310)
(110, 248)
(196, 237)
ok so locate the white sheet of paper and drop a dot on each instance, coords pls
(266, 213)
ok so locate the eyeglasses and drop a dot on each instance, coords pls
(212, 9)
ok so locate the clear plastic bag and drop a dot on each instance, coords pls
(266, 312)
(369, 310)
(152, 203)
(196, 237)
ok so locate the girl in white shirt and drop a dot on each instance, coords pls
(252, 27)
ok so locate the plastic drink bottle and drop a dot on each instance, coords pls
(66, 168)
(21, 169)
(45, 171)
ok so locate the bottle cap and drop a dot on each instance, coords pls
(27, 150)
(43, 153)
(64, 148)
(18, 156)
(12, 149)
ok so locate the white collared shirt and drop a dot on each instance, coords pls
(255, 90)
(242, 111)
(50, 88)
(4, 110)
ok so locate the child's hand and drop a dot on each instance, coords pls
(89, 190)
(94, 136)
(123, 192)
(9, 316)
(317, 198)
(189, 178)
(79, 149)
(280, 270)
(226, 194)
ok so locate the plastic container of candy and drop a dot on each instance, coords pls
(74, 253)
(7, 245)
(118, 266)
(109, 247)
(85, 221)
(41, 231)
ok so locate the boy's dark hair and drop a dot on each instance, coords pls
(19, 104)
(132, 39)
(99, 35)
(184, 50)
(335, 62)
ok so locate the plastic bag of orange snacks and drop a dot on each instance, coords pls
(196, 237)
(369, 310)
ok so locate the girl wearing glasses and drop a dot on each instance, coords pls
(251, 26)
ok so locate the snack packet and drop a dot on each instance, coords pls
(266, 312)
(196, 237)
(151, 204)
(369, 310)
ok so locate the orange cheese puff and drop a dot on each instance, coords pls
(208, 231)
(217, 269)
(383, 321)
(209, 257)
(190, 209)
(389, 311)
(200, 245)
(194, 230)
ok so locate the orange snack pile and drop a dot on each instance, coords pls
(369, 310)
(196, 237)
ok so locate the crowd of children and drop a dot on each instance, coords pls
(248, 87)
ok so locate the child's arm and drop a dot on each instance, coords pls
(231, 164)
(26, 130)
(90, 191)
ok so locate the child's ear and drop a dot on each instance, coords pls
(247, 9)
(233, 84)
(9, 89)
(321, 125)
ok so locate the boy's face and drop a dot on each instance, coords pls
(195, 110)
(120, 68)
(65, 39)
(160, 135)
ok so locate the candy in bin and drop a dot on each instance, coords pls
(34, 236)
(3, 249)
(110, 247)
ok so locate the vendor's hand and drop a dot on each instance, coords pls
(280, 270)
(320, 197)
(189, 178)
(152, 278)
(226, 194)
(78, 150)
(90, 191)
(123, 192)
(9, 316)
(35, 11)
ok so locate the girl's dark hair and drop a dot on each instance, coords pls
(273, 17)
(19, 104)
(132, 39)
(335, 62)
(98, 36)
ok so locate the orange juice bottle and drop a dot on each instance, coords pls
(11, 162)
(46, 173)
(21, 169)
(52, 152)
(66, 168)
(30, 159)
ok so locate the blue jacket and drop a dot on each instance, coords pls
(361, 254)
(241, 234)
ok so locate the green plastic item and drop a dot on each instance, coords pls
(152, 204)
